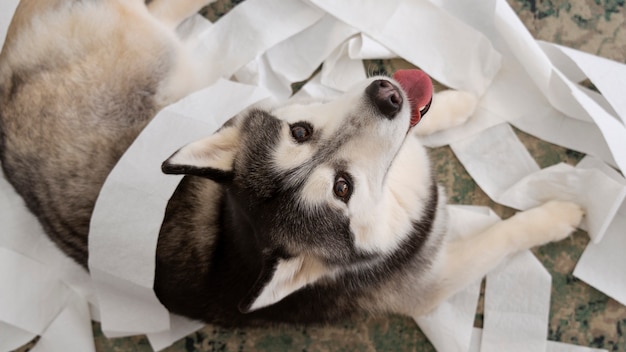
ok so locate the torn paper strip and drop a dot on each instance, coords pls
(469, 62)
(7, 9)
(551, 346)
(36, 296)
(70, 330)
(517, 306)
(179, 328)
(602, 264)
(12, 337)
(296, 58)
(252, 28)
(607, 75)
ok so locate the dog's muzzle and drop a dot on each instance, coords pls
(385, 96)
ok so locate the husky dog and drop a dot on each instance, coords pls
(304, 212)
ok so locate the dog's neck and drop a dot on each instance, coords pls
(237, 255)
(238, 233)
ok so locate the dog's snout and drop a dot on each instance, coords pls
(385, 96)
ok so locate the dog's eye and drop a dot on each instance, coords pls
(343, 187)
(301, 131)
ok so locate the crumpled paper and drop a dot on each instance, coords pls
(551, 346)
(481, 47)
(504, 169)
(602, 264)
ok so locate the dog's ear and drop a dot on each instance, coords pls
(211, 157)
(281, 277)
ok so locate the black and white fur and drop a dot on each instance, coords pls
(302, 213)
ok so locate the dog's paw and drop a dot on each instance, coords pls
(549, 222)
(566, 217)
(449, 108)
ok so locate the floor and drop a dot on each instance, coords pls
(579, 314)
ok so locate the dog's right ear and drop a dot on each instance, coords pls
(211, 157)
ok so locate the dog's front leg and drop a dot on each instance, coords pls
(449, 108)
(468, 259)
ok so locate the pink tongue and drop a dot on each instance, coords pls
(418, 88)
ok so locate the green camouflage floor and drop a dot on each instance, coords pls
(579, 314)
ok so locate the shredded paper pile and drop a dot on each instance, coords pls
(475, 46)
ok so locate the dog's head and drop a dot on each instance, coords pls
(316, 180)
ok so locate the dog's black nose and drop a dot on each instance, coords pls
(385, 96)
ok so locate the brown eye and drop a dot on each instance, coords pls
(343, 187)
(301, 131)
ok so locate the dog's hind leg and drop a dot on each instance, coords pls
(173, 12)
(468, 259)
(189, 72)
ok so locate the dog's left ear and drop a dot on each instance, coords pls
(211, 157)
(281, 277)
